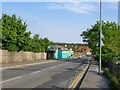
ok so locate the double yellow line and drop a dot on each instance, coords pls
(78, 78)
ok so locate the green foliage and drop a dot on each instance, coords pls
(39, 44)
(0, 33)
(12, 47)
(110, 32)
(36, 46)
(16, 38)
(47, 43)
(107, 73)
(13, 33)
(114, 83)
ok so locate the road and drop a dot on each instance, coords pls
(48, 75)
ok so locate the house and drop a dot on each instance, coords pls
(85, 49)
(59, 52)
(81, 50)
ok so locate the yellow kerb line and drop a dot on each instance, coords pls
(76, 81)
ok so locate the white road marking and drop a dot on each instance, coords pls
(50, 67)
(62, 64)
(53, 67)
(30, 73)
(17, 66)
(58, 65)
(35, 72)
(44, 69)
(11, 79)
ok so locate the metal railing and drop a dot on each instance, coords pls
(113, 67)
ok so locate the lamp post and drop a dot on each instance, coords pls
(100, 36)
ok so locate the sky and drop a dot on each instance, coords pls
(61, 21)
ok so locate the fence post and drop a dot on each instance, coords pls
(118, 71)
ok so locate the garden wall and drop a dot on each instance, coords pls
(7, 56)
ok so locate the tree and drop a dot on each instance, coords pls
(27, 40)
(14, 35)
(110, 31)
(16, 38)
(36, 47)
(8, 33)
(47, 43)
(0, 33)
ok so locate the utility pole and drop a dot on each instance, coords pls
(100, 36)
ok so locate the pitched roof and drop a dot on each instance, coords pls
(54, 47)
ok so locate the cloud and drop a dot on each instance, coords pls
(76, 7)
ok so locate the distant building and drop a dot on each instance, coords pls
(81, 50)
(59, 52)
(85, 49)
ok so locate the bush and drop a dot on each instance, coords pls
(12, 47)
(114, 83)
(107, 73)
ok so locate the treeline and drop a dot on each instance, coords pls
(71, 45)
(110, 50)
(58, 43)
(15, 36)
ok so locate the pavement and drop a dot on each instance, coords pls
(94, 80)
(56, 74)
